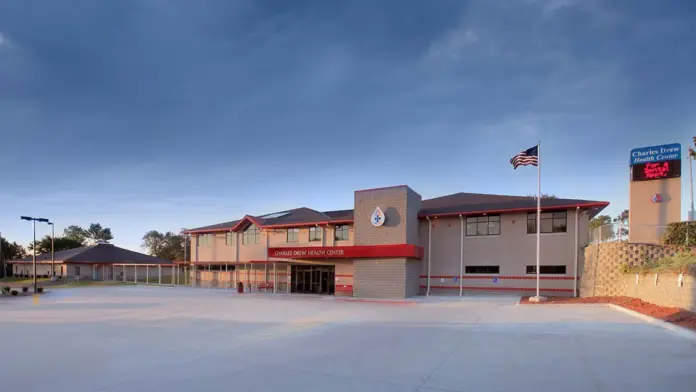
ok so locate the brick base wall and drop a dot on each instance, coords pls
(383, 279)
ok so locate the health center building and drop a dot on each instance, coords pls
(393, 244)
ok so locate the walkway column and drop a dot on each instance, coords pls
(147, 274)
(135, 273)
(275, 278)
(125, 272)
(159, 273)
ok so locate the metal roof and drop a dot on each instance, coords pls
(455, 204)
(97, 254)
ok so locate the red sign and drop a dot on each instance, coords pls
(347, 252)
(656, 170)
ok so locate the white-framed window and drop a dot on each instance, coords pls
(482, 225)
(205, 239)
(252, 235)
(551, 222)
(342, 233)
(77, 271)
(547, 269)
(315, 233)
(482, 269)
(293, 234)
(231, 238)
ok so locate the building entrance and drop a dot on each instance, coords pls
(312, 279)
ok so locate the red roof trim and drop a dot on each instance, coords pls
(247, 218)
(524, 209)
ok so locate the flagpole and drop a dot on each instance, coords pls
(538, 219)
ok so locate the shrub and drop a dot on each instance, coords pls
(682, 262)
(39, 290)
(25, 289)
(680, 233)
(6, 289)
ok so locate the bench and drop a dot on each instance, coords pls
(265, 286)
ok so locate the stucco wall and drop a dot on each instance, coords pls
(513, 250)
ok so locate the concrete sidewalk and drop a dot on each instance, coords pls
(151, 339)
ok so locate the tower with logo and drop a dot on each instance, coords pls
(384, 217)
(654, 191)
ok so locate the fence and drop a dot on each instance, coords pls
(678, 233)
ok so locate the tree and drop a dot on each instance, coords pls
(60, 243)
(622, 220)
(75, 232)
(600, 220)
(167, 245)
(9, 251)
(96, 233)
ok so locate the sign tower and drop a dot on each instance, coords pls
(654, 191)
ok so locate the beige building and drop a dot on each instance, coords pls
(393, 244)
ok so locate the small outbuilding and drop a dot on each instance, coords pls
(98, 262)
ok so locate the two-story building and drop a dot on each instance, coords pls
(393, 244)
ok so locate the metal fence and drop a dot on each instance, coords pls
(679, 233)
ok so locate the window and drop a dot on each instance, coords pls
(551, 222)
(205, 239)
(482, 269)
(77, 271)
(315, 233)
(293, 234)
(252, 235)
(483, 225)
(342, 233)
(231, 239)
(547, 269)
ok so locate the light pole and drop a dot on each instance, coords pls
(33, 253)
(53, 239)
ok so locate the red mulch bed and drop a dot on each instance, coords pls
(678, 316)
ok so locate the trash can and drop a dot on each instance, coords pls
(240, 287)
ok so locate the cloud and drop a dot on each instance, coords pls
(451, 45)
(3, 40)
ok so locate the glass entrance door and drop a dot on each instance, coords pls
(312, 279)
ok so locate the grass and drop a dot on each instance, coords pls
(15, 279)
(89, 283)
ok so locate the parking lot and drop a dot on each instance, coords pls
(129, 338)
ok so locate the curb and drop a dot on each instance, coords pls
(683, 332)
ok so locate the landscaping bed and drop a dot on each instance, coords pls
(677, 316)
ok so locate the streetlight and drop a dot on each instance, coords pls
(33, 254)
(53, 238)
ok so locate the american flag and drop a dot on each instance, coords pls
(527, 157)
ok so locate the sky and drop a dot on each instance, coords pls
(166, 114)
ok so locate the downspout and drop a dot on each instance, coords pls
(430, 237)
(461, 255)
(575, 273)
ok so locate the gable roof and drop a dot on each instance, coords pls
(449, 205)
(98, 254)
